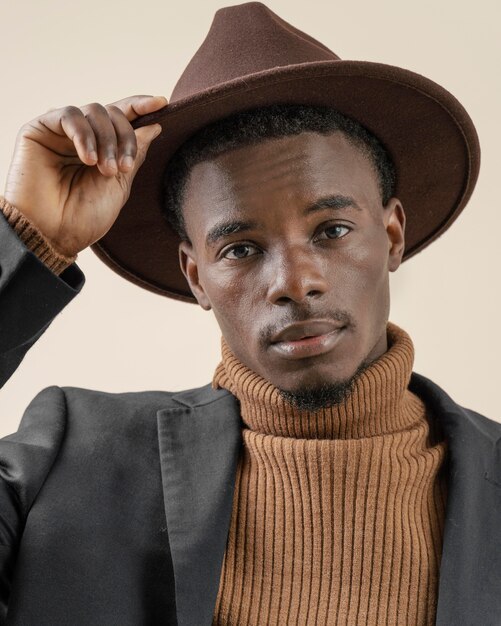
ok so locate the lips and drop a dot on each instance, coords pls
(311, 328)
(322, 337)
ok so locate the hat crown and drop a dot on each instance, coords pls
(245, 39)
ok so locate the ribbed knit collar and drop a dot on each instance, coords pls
(379, 402)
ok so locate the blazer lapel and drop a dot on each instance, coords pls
(470, 572)
(199, 447)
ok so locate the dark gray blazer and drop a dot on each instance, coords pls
(115, 508)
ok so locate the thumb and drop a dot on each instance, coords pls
(144, 136)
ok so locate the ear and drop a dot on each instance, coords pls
(189, 267)
(394, 219)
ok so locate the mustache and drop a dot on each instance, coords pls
(339, 316)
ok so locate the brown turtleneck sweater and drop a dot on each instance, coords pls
(337, 514)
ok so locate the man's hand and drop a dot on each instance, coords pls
(72, 168)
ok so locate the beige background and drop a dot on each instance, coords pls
(117, 337)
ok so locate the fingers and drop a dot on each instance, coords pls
(135, 106)
(70, 121)
(145, 135)
(117, 144)
(126, 139)
(103, 135)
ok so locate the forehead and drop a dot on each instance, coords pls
(301, 167)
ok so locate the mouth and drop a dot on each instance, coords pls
(308, 346)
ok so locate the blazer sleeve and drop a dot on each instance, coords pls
(26, 458)
(31, 295)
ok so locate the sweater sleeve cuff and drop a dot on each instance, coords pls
(33, 239)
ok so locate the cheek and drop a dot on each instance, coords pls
(364, 273)
(231, 299)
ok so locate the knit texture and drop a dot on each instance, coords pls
(338, 513)
(34, 240)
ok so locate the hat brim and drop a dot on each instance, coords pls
(427, 132)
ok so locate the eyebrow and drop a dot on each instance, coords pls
(332, 202)
(230, 227)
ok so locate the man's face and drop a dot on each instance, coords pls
(320, 247)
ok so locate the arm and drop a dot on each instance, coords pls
(34, 240)
(31, 294)
(61, 159)
(26, 458)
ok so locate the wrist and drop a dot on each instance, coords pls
(34, 240)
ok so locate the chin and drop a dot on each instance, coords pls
(317, 372)
(320, 393)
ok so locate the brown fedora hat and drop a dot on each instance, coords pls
(250, 58)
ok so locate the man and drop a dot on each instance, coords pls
(316, 479)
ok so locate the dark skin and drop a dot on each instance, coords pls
(332, 263)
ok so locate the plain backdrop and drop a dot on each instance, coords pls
(118, 337)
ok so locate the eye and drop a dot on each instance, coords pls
(237, 250)
(339, 230)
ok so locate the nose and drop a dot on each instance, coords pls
(297, 274)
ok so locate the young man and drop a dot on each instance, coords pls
(316, 479)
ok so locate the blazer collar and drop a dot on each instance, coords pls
(470, 571)
(200, 441)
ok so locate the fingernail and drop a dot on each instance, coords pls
(111, 163)
(127, 161)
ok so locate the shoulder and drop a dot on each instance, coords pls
(439, 402)
(78, 397)
(104, 406)
(53, 409)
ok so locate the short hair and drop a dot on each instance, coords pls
(249, 127)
